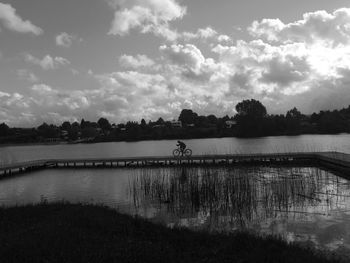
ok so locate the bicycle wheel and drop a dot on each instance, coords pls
(188, 152)
(176, 152)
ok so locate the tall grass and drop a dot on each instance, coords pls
(240, 196)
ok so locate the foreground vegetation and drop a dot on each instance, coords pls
(87, 233)
(251, 120)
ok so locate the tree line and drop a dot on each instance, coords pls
(251, 120)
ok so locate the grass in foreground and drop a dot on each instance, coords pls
(88, 233)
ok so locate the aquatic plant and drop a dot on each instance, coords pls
(238, 197)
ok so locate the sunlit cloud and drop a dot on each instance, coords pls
(47, 62)
(147, 16)
(12, 21)
(65, 40)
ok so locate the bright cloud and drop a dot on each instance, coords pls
(64, 39)
(14, 22)
(202, 33)
(320, 26)
(139, 61)
(147, 16)
(47, 62)
(305, 63)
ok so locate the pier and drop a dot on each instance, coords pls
(339, 162)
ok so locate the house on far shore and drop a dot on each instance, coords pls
(176, 124)
(65, 134)
(230, 124)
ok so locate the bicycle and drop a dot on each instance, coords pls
(179, 152)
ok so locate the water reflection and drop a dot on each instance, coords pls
(303, 204)
(299, 204)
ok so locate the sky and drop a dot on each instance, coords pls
(132, 59)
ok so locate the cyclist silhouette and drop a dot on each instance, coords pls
(181, 150)
(181, 145)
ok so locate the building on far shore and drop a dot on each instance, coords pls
(176, 124)
(230, 124)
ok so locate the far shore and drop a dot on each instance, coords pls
(152, 139)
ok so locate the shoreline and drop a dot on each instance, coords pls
(165, 139)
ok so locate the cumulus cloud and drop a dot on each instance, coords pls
(65, 40)
(225, 38)
(297, 64)
(318, 26)
(12, 21)
(283, 65)
(47, 62)
(147, 16)
(202, 33)
(135, 62)
(189, 61)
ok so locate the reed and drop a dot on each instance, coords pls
(239, 196)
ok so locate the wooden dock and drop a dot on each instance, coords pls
(332, 160)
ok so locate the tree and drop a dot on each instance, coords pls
(160, 121)
(251, 108)
(293, 120)
(4, 129)
(82, 124)
(104, 124)
(48, 131)
(66, 126)
(143, 123)
(332, 122)
(212, 119)
(133, 130)
(89, 132)
(188, 116)
(294, 114)
(250, 118)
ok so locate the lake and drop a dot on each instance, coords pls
(304, 143)
(303, 204)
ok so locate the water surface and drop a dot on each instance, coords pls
(299, 204)
(303, 143)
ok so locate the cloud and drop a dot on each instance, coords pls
(48, 62)
(285, 71)
(202, 33)
(320, 26)
(190, 63)
(138, 61)
(225, 38)
(184, 55)
(27, 75)
(283, 65)
(148, 16)
(13, 22)
(297, 64)
(65, 40)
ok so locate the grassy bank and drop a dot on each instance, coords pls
(86, 233)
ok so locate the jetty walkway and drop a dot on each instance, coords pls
(336, 161)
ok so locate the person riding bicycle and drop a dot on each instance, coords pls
(181, 145)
